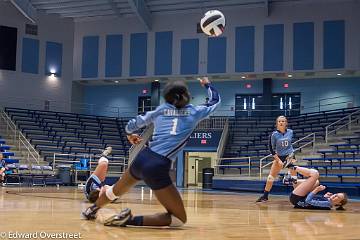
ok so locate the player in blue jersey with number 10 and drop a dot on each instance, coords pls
(283, 153)
(174, 121)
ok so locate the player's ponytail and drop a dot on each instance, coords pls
(177, 94)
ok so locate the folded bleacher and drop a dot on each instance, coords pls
(249, 138)
(341, 163)
(73, 135)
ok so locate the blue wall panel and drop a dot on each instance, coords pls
(189, 56)
(138, 54)
(334, 44)
(53, 58)
(90, 57)
(30, 56)
(113, 58)
(244, 49)
(273, 47)
(163, 53)
(216, 59)
(303, 58)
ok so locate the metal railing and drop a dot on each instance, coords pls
(212, 123)
(347, 124)
(219, 166)
(313, 142)
(340, 101)
(93, 162)
(119, 111)
(19, 139)
(223, 140)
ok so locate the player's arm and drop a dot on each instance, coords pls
(141, 121)
(214, 98)
(317, 203)
(138, 123)
(272, 147)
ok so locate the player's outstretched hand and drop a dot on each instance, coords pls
(134, 139)
(204, 81)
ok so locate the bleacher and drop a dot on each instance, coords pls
(250, 137)
(71, 134)
(8, 155)
(341, 163)
(338, 164)
(17, 173)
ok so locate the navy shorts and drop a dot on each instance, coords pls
(91, 184)
(153, 168)
(297, 201)
(284, 158)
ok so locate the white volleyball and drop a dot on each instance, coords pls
(213, 23)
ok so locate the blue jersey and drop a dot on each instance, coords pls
(172, 126)
(280, 143)
(91, 184)
(314, 202)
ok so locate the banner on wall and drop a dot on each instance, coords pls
(204, 138)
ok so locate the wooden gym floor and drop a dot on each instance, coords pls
(211, 215)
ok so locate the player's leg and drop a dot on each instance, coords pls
(300, 181)
(123, 185)
(175, 215)
(102, 167)
(95, 182)
(274, 171)
(131, 176)
(308, 185)
(156, 176)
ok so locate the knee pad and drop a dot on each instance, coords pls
(103, 160)
(110, 194)
(270, 178)
(175, 222)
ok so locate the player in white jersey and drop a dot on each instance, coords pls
(174, 121)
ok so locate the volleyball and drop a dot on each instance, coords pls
(213, 23)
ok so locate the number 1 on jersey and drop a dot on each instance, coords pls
(173, 130)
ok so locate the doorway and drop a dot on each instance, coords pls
(248, 105)
(144, 104)
(195, 162)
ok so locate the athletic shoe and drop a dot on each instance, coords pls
(119, 220)
(262, 199)
(90, 212)
(289, 162)
(288, 179)
(106, 152)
